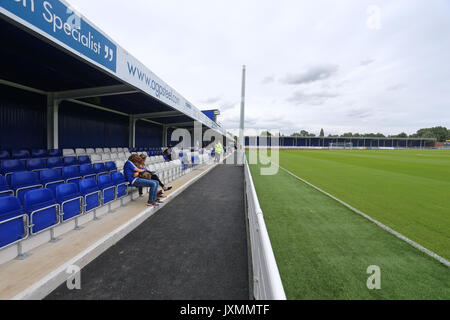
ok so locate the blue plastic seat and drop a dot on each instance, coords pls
(107, 187)
(8, 167)
(55, 153)
(13, 226)
(4, 155)
(36, 164)
(69, 200)
(71, 173)
(20, 154)
(5, 189)
(183, 165)
(39, 153)
(84, 160)
(70, 161)
(91, 193)
(51, 179)
(100, 168)
(121, 184)
(55, 162)
(42, 209)
(87, 171)
(23, 182)
(111, 166)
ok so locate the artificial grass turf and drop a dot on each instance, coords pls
(407, 190)
(323, 249)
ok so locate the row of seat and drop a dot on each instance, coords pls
(122, 156)
(32, 202)
(41, 209)
(8, 167)
(90, 151)
(26, 154)
(147, 149)
(19, 182)
(42, 153)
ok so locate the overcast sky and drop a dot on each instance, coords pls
(345, 66)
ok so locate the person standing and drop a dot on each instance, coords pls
(218, 152)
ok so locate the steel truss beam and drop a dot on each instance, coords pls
(95, 92)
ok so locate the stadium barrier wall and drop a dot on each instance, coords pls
(267, 284)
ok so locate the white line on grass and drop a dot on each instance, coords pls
(381, 225)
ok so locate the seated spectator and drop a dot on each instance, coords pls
(168, 153)
(153, 176)
(131, 171)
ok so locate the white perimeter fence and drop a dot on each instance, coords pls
(267, 283)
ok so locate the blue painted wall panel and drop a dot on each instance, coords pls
(22, 120)
(86, 127)
(148, 135)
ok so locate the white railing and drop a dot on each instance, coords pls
(267, 283)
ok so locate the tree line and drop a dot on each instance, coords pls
(442, 134)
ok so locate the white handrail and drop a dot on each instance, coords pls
(267, 284)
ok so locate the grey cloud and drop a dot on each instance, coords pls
(318, 98)
(211, 100)
(277, 48)
(367, 62)
(312, 74)
(268, 80)
(359, 113)
(226, 105)
(395, 87)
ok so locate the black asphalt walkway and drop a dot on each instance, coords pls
(193, 248)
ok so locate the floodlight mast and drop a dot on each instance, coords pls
(240, 158)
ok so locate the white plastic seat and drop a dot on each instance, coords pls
(90, 151)
(127, 155)
(119, 165)
(68, 153)
(80, 152)
(96, 158)
(119, 149)
(106, 157)
(106, 150)
(126, 150)
(114, 156)
(114, 150)
(99, 150)
(122, 155)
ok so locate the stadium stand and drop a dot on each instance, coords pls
(355, 142)
(65, 136)
(71, 186)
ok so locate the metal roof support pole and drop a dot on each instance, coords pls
(240, 158)
(198, 136)
(52, 121)
(132, 132)
(164, 136)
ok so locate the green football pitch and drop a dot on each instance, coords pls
(323, 249)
